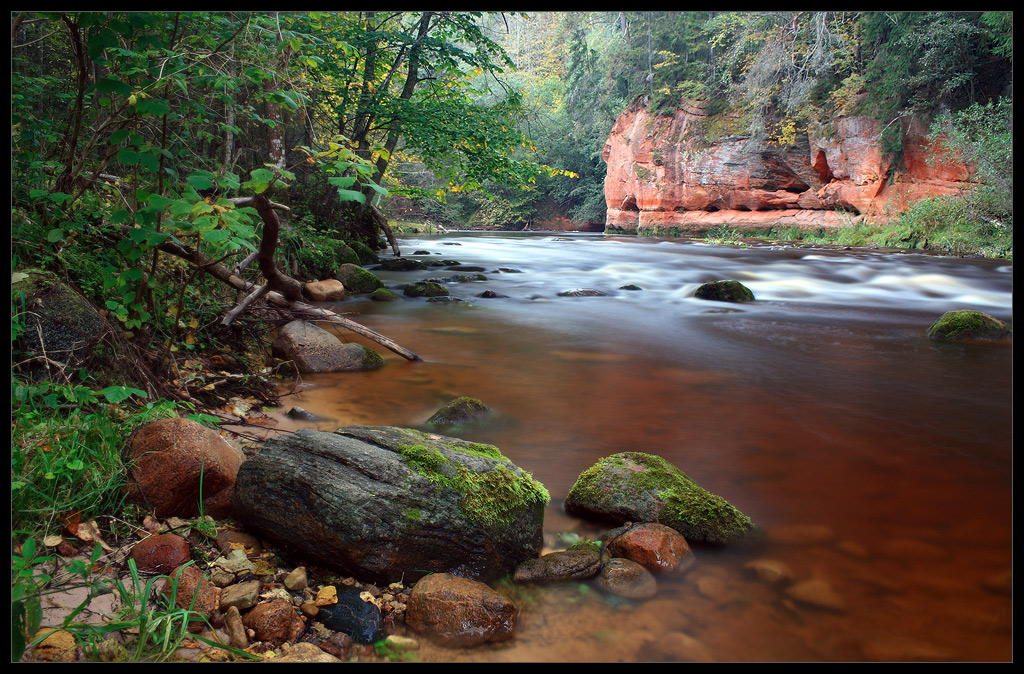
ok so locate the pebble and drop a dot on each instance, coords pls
(818, 593)
(296, 581)
(770, 571)
(626, 578)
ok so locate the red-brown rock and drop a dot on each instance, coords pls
(193, 590)
(161, 553)
(655, 546)
(459, 612)
(274, 621)
(664, 173)
(172, 459)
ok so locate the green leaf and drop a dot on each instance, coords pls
(351, 195)
(343, 181)
(114, 86)
(115, 394)
(199, 182)
(55, 235)
(128, 156)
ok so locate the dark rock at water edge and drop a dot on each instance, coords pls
(459, 411)
(445, 300)
(583, 292)
(302, 414)
(968, 325)
(638, 487)
(380, 503)
(425, 289)
(314, 349)
(724, 291)
(490, 294)
(401, 264)
(359, 619)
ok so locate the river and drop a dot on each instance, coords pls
(879, 462)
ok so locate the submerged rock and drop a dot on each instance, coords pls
(626, 578)
(359, 619)
(724, 291)
(577, 563)
(381, 503)
(459, 411)
(638, 487)
(968, 325)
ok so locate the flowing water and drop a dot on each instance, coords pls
(878, 461)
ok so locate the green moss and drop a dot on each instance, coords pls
(641, 172)
(413, 514)
(357, 279)
(371, 359)
(346, 255)
(365, 253)
(968, 325)
(384, 295)
(491, 498)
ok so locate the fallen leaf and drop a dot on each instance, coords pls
(52, 541)
(89, 532)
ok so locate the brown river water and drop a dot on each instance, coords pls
(878, 462)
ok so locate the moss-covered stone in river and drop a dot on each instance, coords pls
(358, 280)
(425, 289)
(365, 253)
(384, 295)
(639, 487)
(724, 291)
(968, 325)
(461, 410)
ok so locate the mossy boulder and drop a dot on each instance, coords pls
(459, 411)
(358, 280)
(365, 253)
(58, 320)
(346, 255)
(968, 325)
(380, 503)
(724, 291)
(425, 289)
(384, 295)
(639, 487)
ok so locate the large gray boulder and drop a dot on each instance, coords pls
(314, 349)
(380, 503)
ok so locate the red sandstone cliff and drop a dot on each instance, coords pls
(664, 176)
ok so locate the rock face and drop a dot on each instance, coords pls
(460, 612)
(171, 459)
(691, 171)
(383, 502)
(58, 320)
(314, 349)
(638, 487)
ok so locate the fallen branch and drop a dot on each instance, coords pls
(249, 299)
(222, 273)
